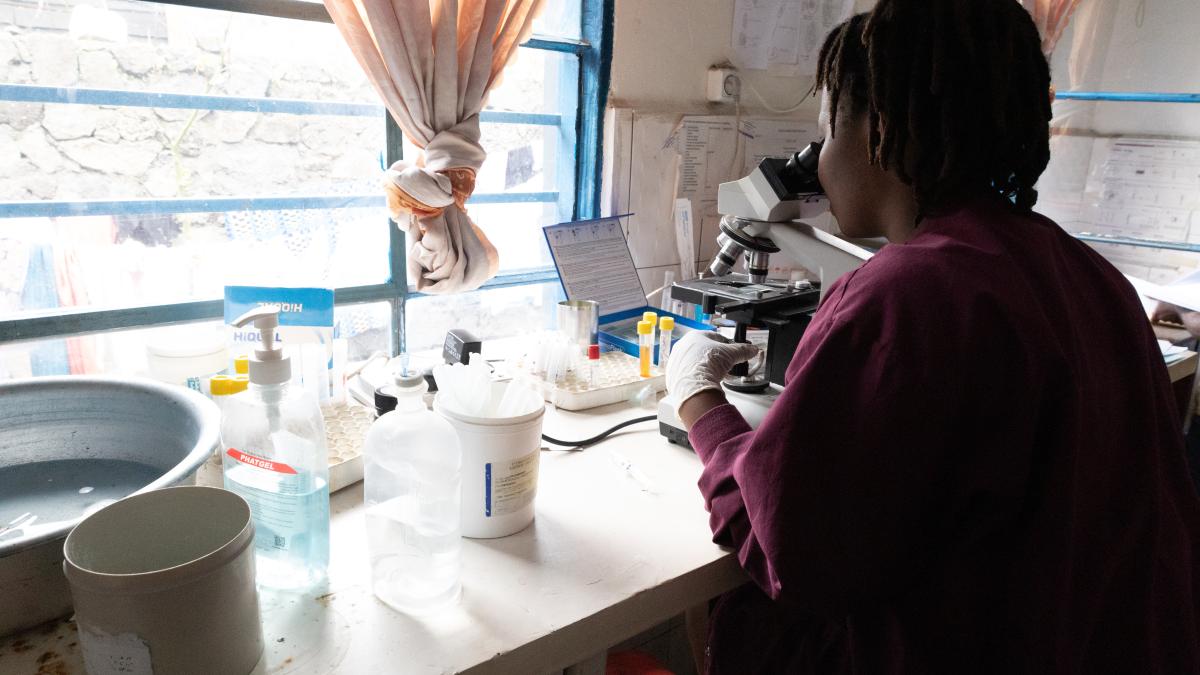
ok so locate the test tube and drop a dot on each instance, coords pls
(652, 317)
(666, 327)
(593, 361)
(645, 346)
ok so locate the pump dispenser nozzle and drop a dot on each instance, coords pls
(269, 365)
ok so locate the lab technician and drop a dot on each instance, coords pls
(975, 465)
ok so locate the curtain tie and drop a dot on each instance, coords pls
(445, 177)
(459, 182)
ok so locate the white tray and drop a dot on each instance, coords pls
(617, 380)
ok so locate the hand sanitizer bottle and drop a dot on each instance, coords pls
(275, 457)
(412, 473)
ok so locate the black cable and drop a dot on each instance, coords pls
(600, 436)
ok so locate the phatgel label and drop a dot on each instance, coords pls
(252, 460)
(509, 486)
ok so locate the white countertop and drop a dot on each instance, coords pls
(608, 556)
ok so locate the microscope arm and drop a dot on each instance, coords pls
(828, 255)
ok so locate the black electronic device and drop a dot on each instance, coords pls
(459, 345)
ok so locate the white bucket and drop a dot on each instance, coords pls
(499, 470)
(163, 582)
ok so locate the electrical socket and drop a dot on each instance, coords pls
(723, 84)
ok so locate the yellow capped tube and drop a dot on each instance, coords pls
(645, 331)
(666, 328)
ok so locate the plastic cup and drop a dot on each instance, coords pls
(163, 582)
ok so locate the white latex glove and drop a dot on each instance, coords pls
(700, 360)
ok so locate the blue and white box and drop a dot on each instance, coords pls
(593, 262)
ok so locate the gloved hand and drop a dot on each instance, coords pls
(700, 360)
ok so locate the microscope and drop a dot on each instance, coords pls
(762, 215)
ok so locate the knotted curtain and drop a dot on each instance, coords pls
(433, 63)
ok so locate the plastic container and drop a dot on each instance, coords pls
(499, 469)
(187, 356)
(412, 490)
(163, 582)
(276, 459)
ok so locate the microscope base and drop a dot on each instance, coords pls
(753, 407)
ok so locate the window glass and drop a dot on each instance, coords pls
(364, 327)
(493, 313)
(140, 250)
(558, 19)
(537, 80)
(117, 202)
(516, 232)
(114, 261)
(147, 46)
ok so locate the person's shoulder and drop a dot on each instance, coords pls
(898, 269)
(893, 283)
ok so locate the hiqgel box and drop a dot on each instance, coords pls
(594, 263)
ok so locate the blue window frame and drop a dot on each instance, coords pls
(577, 124)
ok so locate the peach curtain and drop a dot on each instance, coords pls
(433, 63)
(1051, 17)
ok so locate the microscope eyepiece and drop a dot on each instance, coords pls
(799, 175)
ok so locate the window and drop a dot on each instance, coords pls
(153, 152)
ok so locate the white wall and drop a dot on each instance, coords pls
(662, 48)
(1121, 45)
(661, 52)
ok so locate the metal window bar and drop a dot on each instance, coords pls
(397, 252)
(65, 209)
(31, 93)
(1128, 96)
(75, 322)
(1137, 241)
(317, 12)
(593, 90)
(311, 11)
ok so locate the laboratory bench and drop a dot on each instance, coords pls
(620, 544)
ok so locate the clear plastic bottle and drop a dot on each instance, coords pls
(275, 457)
(412, 475)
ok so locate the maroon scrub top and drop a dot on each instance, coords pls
(976, 466)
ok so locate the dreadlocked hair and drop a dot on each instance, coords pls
(956, 92)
